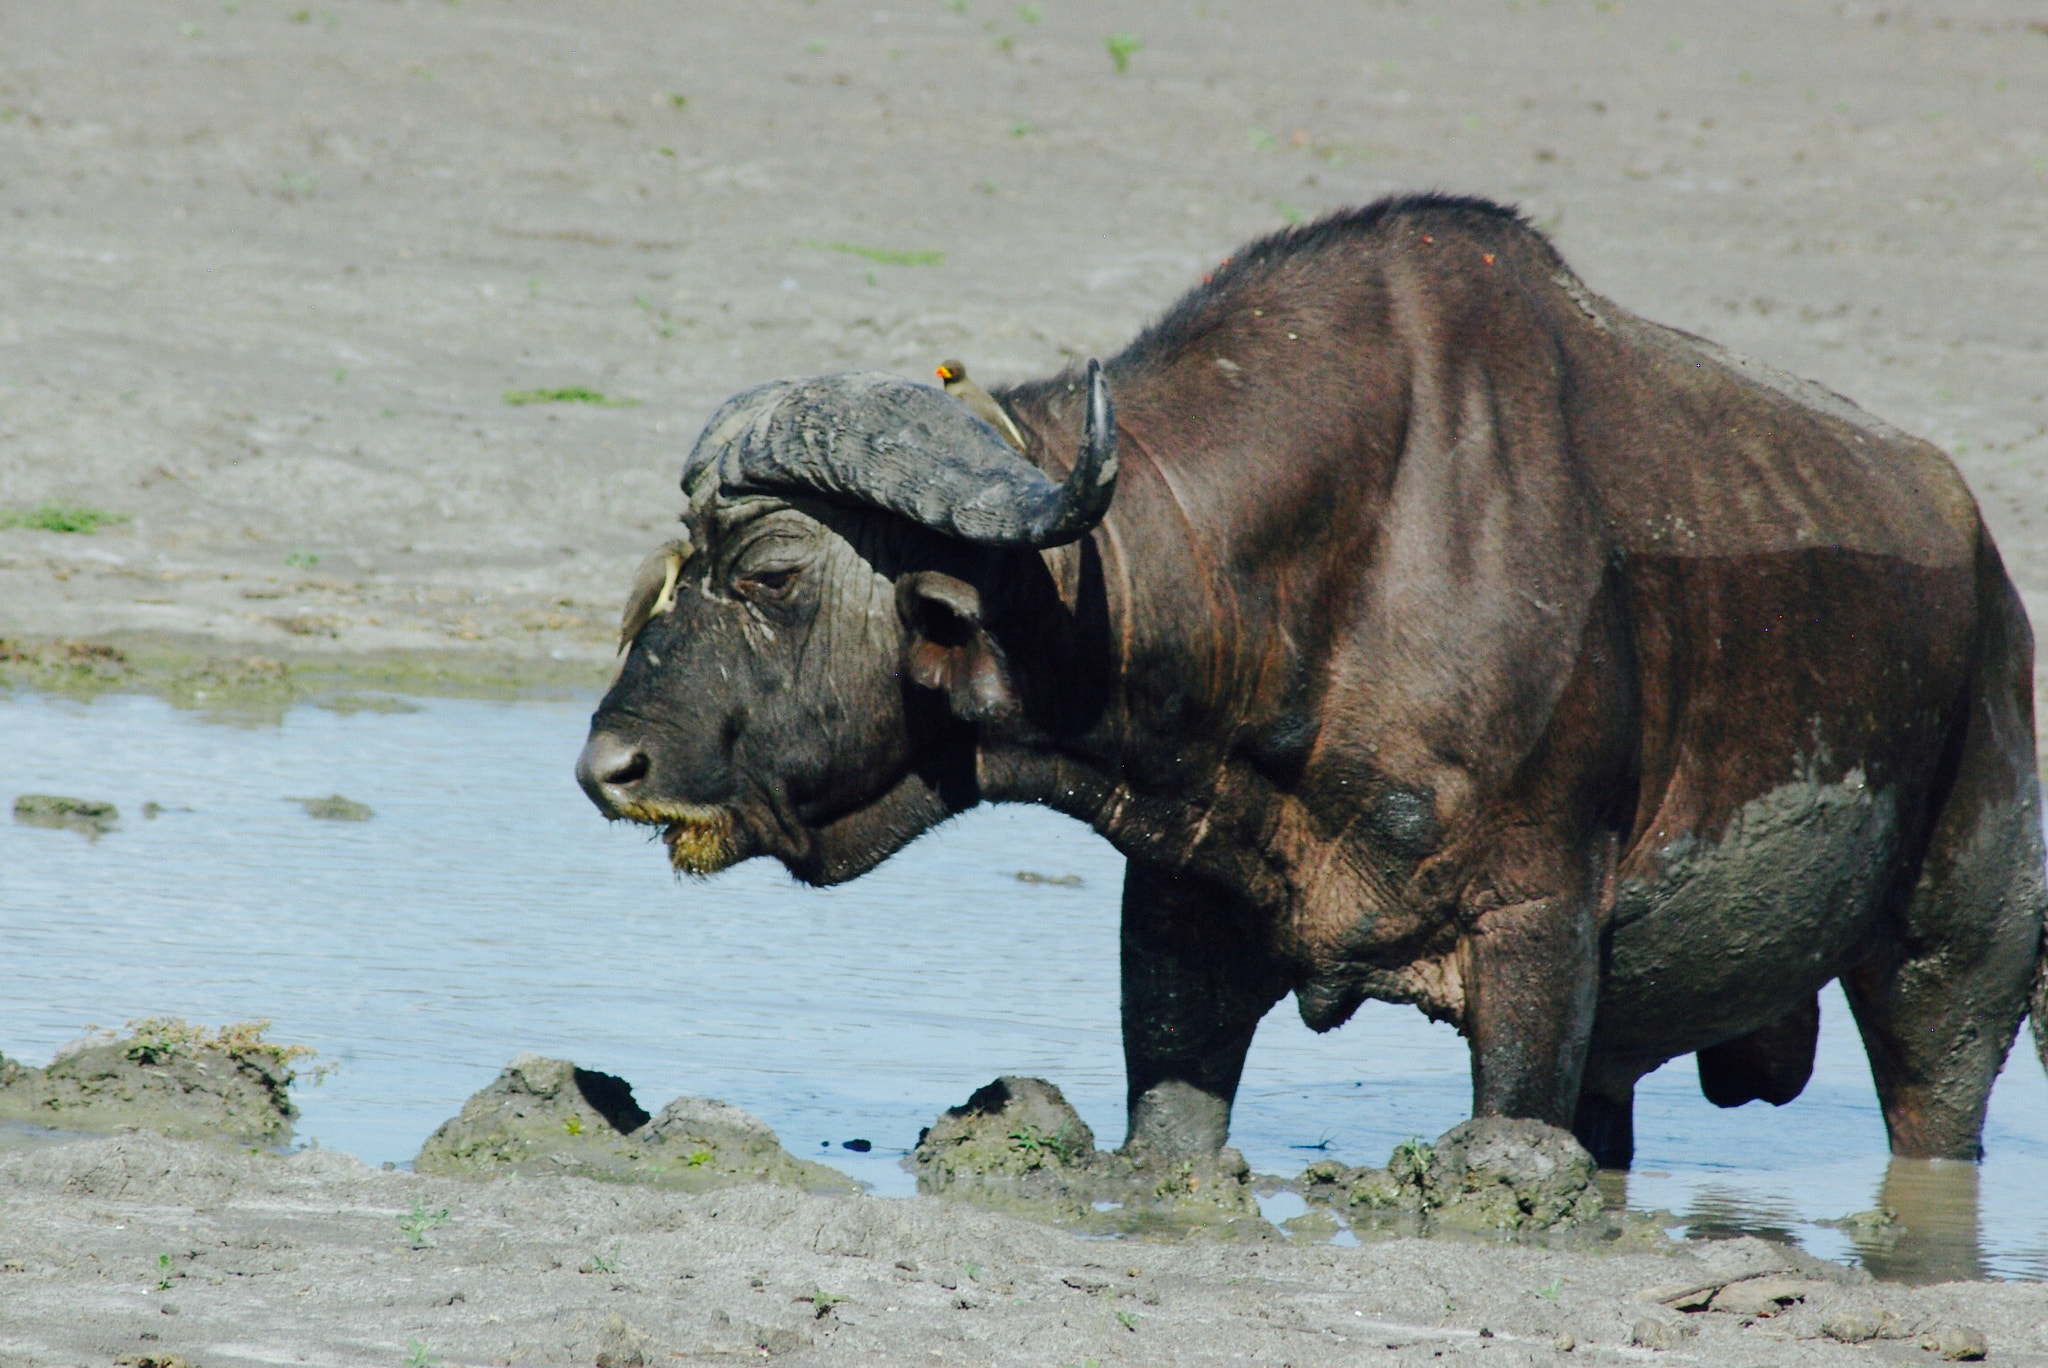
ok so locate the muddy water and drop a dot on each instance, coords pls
(485, 909)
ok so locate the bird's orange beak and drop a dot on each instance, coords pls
(944, 372)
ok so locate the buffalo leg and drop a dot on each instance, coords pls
(1532, 982)
(1604, 1120)
(1194, 987)
(1939, 1005)
(1770, 1064)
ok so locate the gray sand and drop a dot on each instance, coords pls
(270, 270)
(267, 282)
(308, 1259)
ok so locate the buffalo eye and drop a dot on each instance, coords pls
(766, 585)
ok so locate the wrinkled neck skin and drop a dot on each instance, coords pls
(1157, 704)
(852, 845)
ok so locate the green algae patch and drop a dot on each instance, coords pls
(567, 394)
(547, 1116)
(248, 687)
(91, 818)
(348, 705)
(165, 1075)
(1017, 1146)
(57, 517)
(334, 808)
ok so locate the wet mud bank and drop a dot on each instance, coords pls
(549, 1117)
(555, 1221)
(136, 1245)
(164, 1076)
(219, 677)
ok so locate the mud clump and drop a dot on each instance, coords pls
(1017, 1146)
(92, 818)
(165, 1076)
(334, 808)
(1491, 1174)
(1496, 1173)
(547, 1116)
(1012, 1128)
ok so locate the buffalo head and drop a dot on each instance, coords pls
(796, 660)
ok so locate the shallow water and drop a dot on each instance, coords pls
(486, 909)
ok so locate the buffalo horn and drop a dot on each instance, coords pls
(882, 442)
(654, 589)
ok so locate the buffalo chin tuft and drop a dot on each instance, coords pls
(700, 839)
(701, 845)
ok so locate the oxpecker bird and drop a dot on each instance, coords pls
(953, 375)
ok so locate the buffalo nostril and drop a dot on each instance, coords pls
(609, 766)
(630, 771)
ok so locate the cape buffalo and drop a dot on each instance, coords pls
(1453, 637)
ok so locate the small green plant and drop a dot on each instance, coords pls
(1129, 1320)
(158, 1040)
(417, 1224)
(957, 6)
(972, 1270)
(567, 394)
(1022, 129)
(1551, 1292)
(574, 1125)
(1410, 1159)
(1289, 211)
(601, 1263)
(298, 185)
(822, 1301)
(1031, 14)
(678, 100)
(163, 1268)
(420, 1354)
(883, 256)
(699, 1158)
(56, 517)
(301, 559)
(1036, 1144)
(341, 375)
(1122, 47)
(1180, 1181)
(1003, 42)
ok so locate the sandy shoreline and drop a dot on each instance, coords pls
(271, 272)
(270, 278)
(307, 1259)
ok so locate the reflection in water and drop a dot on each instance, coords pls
(1719, 1212)
(1934, 1234)
(1927, 1226)
(485, 908)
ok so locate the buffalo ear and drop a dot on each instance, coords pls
(947, 648)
